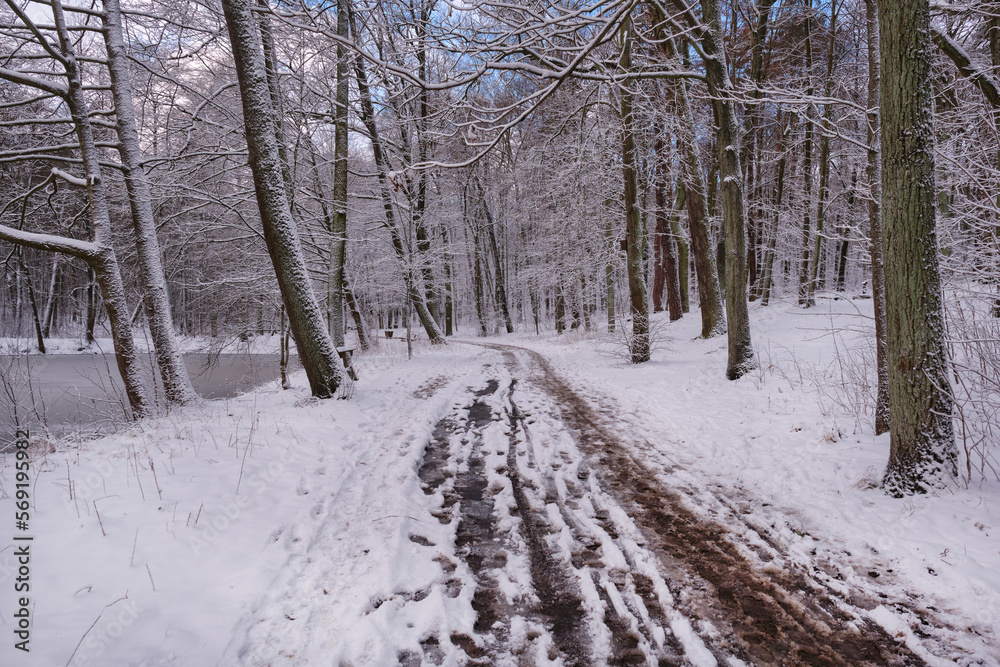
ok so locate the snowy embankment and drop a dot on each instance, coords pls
(196, 537)
(154, 544)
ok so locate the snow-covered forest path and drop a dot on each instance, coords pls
(620, 567)
(553, 542)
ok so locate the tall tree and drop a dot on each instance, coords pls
(176, 384)
(806, 298)
(822, 203)
(873, 171)
(315, 347)
(720, 87)
(639, 347)
(752, 122)
(922, 450)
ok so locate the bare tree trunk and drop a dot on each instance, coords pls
(91, 317)
(102, 259)
(874, 174)
(666, 261)
(922, 453)
(33, 303)
(768, 277)
(477, 273)
(449, 303)
(609, 273)
(752, 122)
(741, 356)
(560, 307)
(411, 278)
(50, 300)
(420, 205)
(283, 347)
(843, 243)
(683, 254)
(639, 347)
(316, 349)
(176, 384)
(500, 289)
(805, 298)
(659, 276)
(712, 319)
(336, 279)
(364, 337)
(824, 158)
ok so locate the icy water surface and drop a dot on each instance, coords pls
(84, 391)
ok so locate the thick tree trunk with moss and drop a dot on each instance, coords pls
(923, 454)
(316, 350)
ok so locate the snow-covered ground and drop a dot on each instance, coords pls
(276, 529)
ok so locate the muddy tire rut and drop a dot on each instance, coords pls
(578, 554)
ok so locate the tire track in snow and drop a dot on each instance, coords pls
(544, 621)
(592, 596)
(631, 609)
(773, 617)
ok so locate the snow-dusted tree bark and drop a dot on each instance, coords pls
(741, 356)
(988, 84)
(923, 453)
(639, 346)
(873, 171)
(338, 229)
(364, 337)
(500, 291)
(609, 273)
(713, 321)
(683, 249)
(315, 347)
(33, 302)
(176, 383)
(752, 122)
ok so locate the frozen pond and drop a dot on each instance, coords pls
(84, 391)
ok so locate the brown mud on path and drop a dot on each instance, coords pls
(578, 554)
